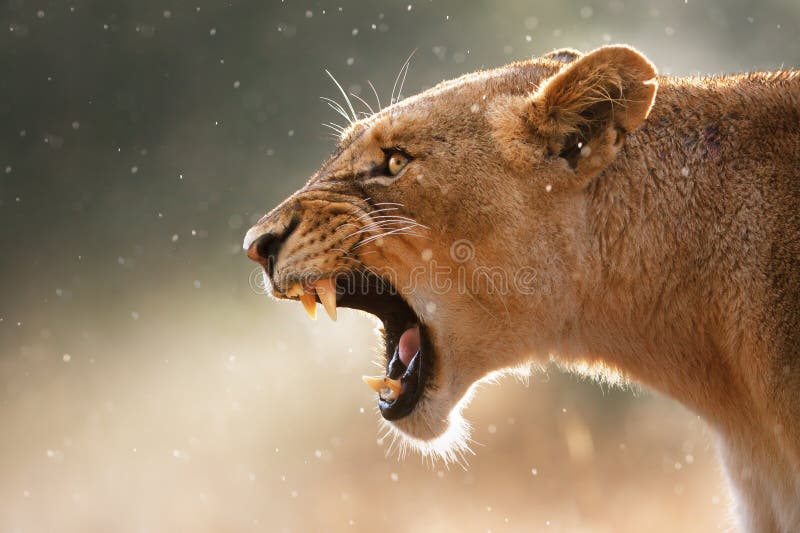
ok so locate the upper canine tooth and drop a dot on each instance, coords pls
(295, 290)
(326, 290)
(309, 304)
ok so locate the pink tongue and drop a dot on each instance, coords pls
(409, 344)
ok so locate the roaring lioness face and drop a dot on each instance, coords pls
(455, 217)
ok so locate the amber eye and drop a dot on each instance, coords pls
(397, 161)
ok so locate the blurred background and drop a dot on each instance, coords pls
(146, 386)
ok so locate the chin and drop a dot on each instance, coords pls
(435, 429)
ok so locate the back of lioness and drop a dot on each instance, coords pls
(710, 239)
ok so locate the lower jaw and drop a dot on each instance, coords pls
(414, 379)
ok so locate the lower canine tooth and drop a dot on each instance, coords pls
(388, 394)
(387, 389)
(374, 382)
(393, 384)
(326, 291)
(309, 304)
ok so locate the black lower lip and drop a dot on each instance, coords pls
(414, 378)
(369, 293)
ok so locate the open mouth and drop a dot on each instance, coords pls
(409, 352)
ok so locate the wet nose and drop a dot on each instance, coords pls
(264, 243)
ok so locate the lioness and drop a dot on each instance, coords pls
(579, 207)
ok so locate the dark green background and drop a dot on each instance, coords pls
(150, 87)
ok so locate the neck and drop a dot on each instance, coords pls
(672, 249)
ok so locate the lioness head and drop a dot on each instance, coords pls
(456, 217)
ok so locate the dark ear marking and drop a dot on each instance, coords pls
(571, 150)
(562, 55)
(620, 139)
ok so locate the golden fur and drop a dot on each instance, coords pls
(657, 221)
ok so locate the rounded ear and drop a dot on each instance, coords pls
(584, 111)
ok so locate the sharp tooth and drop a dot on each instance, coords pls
(327, 295)
(389, 394)
(374, 382)
(387, 389)
(309, 304)
(394, 385)
(295, 290)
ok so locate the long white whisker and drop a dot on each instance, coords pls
(335, 128)
(336, 105)
(371, 227)
(369, 231)
(384, 220)
(378, 98)
(346, 98)
(363, 102)
(333, 104)
(360, 228)
(335, 125)
(381, 236)
(393, 218)
(398, 231)
(390, 203)
(395, 207)
(378, 211)
(402, 69)
(381, 225)
(341, 113)
(394, 87)
(376, 224)
(402, 82)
